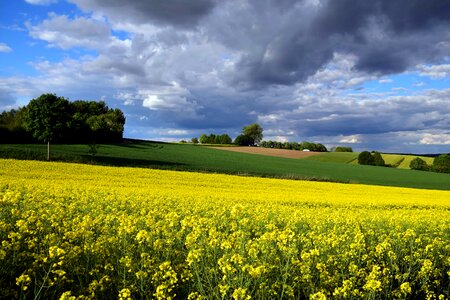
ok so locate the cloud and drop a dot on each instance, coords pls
(5, 48)
(179, 13)
(351, 139)
(435, 139)
(62, 32)
(300, 68)
(435, 71)
(41, 2)
(273, 42)
(298, 38)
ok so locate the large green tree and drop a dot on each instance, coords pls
(441, 163)
(47, 117)
(418, 164)
(251, 135)
(378, 159)
(366, 158)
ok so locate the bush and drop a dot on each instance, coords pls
(441, 164)
(343, 149)
(378, 159)
(365, 158)
(243, 140)
(418, 164)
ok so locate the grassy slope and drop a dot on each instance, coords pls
(336, 157)
(194, 158)
(408, 158)
(352, 158)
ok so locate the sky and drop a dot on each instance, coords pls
(372, 75)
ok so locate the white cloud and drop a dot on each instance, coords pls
(5, 48)
(351, 139)
(385, 80)
(66, 33)
(435, 139)
(41, 2)
(435, 71)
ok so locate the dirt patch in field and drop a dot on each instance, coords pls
(270, 151)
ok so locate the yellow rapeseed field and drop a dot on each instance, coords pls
(72, 231)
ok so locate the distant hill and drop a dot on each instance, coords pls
(400, 161)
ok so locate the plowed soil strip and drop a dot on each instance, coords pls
(270, 151)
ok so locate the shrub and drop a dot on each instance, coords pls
(243, 140)
(343, 149)
(418, 164)
(441, 163)
(365, 158)
(378, 159)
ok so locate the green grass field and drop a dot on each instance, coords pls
(335, 157)
(186, 157)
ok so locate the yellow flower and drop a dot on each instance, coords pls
(405, 288)
(124, 294)
(241, 294)
(23, 281)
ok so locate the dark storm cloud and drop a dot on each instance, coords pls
(285, 42)
(168, 12)
(385, 36)
(388, 36)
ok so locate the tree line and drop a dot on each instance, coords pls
(215, 139)
(50, 118)
(441, 164)
(252, 135)
(305, 145)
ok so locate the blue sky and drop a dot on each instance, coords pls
(373, 75)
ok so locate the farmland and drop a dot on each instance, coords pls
(72, 230)
(202, 159)
(400, 161)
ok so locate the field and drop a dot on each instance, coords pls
(72, 230)
(270, 151)
(338, 157)
(408, 158)
(203, 159)
(400, 161)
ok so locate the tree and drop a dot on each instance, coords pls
(418, 164)
(365, 158)
(204, 139)
(224, 139)
(194, 140)
(12, 127)
(253, 134)
(441, 163)
(343, 149)
(47, 117)
(243, 140)
(378, 159)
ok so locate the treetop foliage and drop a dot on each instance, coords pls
(251, 135)
(214, 139)
(441, 163)
(418, 164)
(366, 158)
(47, 117)
(305, 145)
(342, 149)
